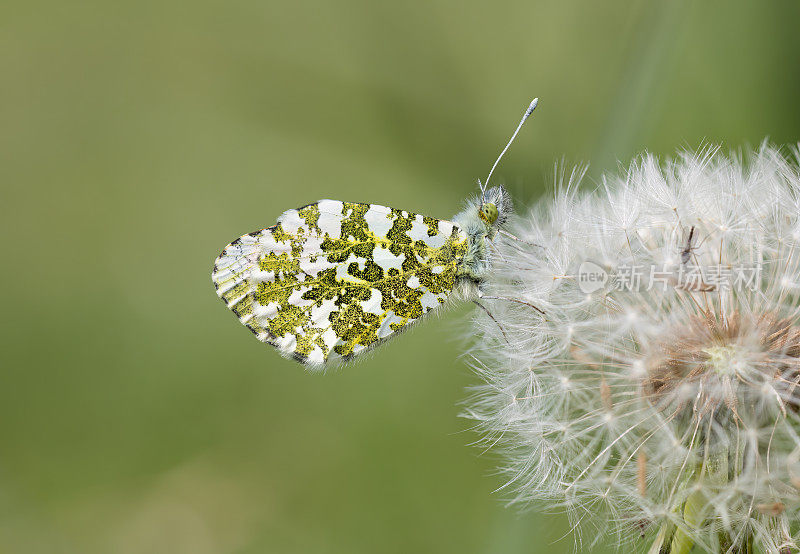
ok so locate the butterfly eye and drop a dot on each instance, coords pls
(489, 213)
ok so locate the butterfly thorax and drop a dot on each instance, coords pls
(480, 220)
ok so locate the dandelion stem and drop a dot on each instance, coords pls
(662, 542)
(682, 543)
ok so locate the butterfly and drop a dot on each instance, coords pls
(334, 279)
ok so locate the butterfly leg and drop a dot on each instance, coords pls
(514, 237)
(482, 307)
(541, 311)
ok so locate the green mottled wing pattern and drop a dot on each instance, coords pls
(333, 279)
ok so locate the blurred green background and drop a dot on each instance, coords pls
(138, 138)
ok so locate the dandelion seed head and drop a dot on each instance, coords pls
(663, 403)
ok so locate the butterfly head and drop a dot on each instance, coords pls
(494, 206)
(488, 213)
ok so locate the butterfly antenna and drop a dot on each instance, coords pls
(528, 112)
(483, 192)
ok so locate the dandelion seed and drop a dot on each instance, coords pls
(665, 401)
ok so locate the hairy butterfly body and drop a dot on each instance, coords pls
(333, 279)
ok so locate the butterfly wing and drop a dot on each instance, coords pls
(334, 278)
